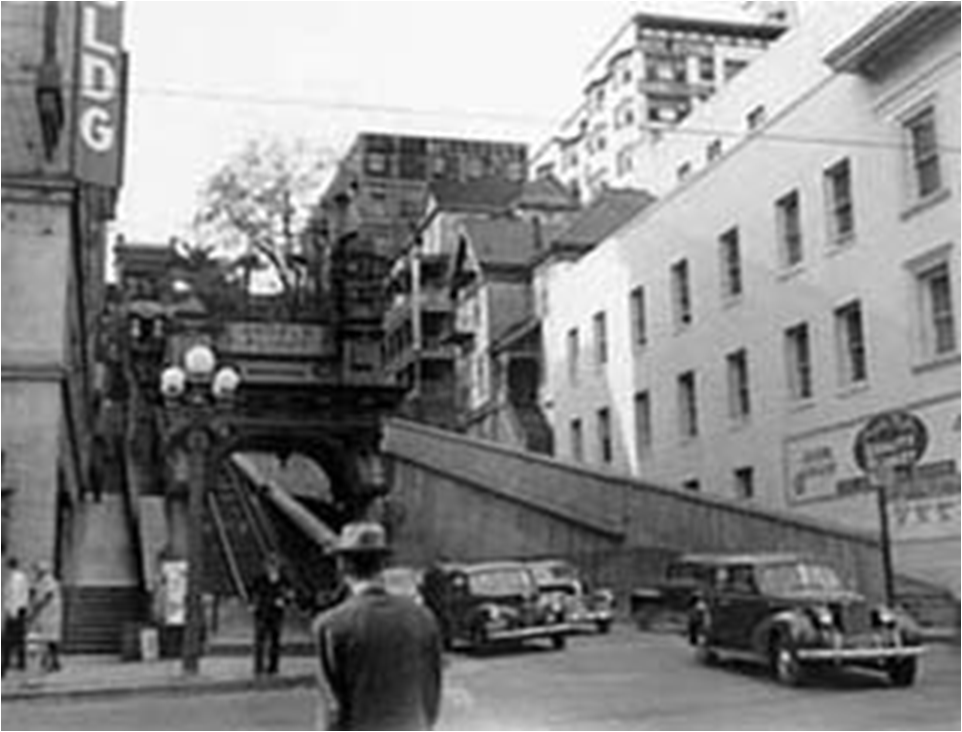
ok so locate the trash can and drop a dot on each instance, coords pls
(149, 644)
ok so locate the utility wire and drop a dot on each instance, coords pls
(318, 103)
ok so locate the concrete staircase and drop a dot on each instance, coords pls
(97, 617)
(102, 589)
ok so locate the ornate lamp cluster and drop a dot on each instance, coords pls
(199, 369)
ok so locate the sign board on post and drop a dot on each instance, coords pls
(98, 103)
(890, 440)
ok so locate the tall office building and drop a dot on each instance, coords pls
(646, 78)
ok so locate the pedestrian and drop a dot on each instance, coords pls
(379, 654)
(16, 603)
(46, 617)
(269, 594)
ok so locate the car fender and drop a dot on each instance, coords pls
(794, 624)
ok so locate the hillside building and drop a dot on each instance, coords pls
(802, 277)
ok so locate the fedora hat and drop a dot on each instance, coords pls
(362, 537)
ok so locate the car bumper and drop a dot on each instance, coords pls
(536, 631)
(857, 654)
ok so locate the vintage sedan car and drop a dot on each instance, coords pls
(561, 584)
(490, 603)
(668, 603)
(796, 616)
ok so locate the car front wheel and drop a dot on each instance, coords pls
(559, 641)
(604, 626)
(784, 662)
(903, 672)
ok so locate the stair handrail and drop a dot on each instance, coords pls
(232, 564)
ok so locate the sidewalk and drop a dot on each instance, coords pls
(93, 677)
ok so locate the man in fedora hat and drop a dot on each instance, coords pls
(380, 654)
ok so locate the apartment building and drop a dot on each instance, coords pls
(797, 279)
(387, 177)
(648, 78)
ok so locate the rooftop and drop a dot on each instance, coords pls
(501, 241)
(609, 211)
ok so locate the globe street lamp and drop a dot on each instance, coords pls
(196, 387)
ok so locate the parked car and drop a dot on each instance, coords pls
(404, 582)
(492, 603)
(796, 616)
(668, 603)
(560, 583)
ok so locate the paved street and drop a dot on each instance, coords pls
(627, 680)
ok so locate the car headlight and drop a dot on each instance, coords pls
(823, 616)
(885, 616)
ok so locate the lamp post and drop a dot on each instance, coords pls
(196, 386)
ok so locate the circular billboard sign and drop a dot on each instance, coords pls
(890, 440)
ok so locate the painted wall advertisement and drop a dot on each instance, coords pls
(923, 503)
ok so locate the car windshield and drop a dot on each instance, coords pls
(787, 578)
(549, 574)
(500, 582)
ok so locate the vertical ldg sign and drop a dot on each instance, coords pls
(99, 99)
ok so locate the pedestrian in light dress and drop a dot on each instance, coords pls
(46, 617)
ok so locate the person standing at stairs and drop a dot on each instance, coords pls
(46, 617)
(269, 594)
(16, 602)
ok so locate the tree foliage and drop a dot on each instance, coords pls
(256, 205)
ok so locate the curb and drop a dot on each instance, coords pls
(166, 687)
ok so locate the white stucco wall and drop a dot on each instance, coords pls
(805, 135)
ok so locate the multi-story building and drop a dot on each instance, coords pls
(419, 350)
(63, 113)
(416, 350)
(387, 177)
(646, 79)
(736, 335)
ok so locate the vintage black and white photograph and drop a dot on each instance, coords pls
(481, 365)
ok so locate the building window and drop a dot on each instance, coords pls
(937, 310)
(732, 67)
(799, 361)
(643, 426)
(756, 117)
(667, 108)
(573, 355)
(850, 335)
(665, 67)
(375, 163)
(639, 318)
(739, 389)
(681, 294)
(788, 221)
(625, 162)
(601, 339)
(745, 482)
(714, 150)
(731, 264)
(924, 151)
(687, 405)
(838, 183)
(691, 484)
(706, 68)
(577, 441)
(604, 435)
